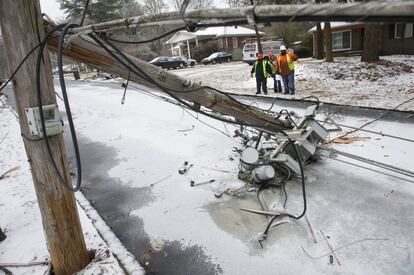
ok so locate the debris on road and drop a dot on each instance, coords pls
(9, 171)
(193, 183)
(184, 169)
(347, 140)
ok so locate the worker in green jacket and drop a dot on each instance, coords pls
(262, 69)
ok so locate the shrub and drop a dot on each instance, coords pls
(204, 49)
(141, 52)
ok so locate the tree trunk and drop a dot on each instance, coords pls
(22, 28)
(370, 48)
(328, 41)
(259, 42)
(319, 41)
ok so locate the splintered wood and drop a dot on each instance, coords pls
(347, 140)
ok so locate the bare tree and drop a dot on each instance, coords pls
(194, 4)
(154, 6)
(131, 8)
(327, 35)
(238, 3)
(241, 3)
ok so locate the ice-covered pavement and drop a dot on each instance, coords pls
(346, 81)
(131, 155)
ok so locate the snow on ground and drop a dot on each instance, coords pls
(21, 221)
(346, 81)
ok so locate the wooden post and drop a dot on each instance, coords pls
(22, 29)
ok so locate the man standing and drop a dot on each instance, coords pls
(277, 83)
(284, 65)
(261, 70)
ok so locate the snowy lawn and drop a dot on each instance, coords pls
(346, 81)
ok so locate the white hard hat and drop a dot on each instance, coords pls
(283, 48)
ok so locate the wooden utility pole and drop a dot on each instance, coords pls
(22, 29)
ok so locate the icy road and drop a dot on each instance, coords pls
(131, 154)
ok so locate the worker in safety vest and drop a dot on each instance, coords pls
(277, 83)
(262, 69)
(284, 65)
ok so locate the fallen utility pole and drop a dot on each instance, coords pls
(22, 29)
(362, 12)
(85, 50)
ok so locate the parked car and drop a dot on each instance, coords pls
(166, 62)
(189, 61)
(217, 58)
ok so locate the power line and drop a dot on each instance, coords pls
(19, 66)
(351, 12)
(374, 120)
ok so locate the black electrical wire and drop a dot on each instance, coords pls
(67, 107)
(314, 97)
(187, 27)
(147, 40)
(185, 108)
(19, 66)
(299, 156)
(39, 100)
(374, 120)
(139, 72)
(111, 52)
(106, 39)
(85, 10)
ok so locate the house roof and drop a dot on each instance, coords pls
(216, 32)
(336, 25)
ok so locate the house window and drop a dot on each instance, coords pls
(235, 44)
(341, 41)
(399, 29)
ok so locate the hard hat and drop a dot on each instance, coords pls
(283, 48)
(259, 56)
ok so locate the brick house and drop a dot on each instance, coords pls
(229, 39)
(347, 38)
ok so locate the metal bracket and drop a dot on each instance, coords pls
(53, 121)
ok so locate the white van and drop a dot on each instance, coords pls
(250, 49)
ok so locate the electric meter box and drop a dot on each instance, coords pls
(53, 121)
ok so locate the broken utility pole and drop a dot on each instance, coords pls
(85, 50)
(22, 30)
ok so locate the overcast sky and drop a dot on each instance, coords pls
(51, 7)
